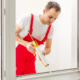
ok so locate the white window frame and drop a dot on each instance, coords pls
(8, 46)
(2, 37)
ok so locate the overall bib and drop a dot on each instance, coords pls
(25, 60)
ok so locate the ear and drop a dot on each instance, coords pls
(44, 11)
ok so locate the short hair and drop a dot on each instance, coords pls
(53, 4)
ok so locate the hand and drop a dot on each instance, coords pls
(44, 53)
(30, 47)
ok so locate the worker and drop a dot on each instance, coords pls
(41, 29)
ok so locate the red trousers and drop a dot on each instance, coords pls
(25, 61)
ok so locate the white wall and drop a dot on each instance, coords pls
(29, 6)
(67, 31)
(64, 45)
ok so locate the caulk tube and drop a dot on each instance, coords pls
(43, 60)
(39, 53)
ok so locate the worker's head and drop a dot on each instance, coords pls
(51, 12)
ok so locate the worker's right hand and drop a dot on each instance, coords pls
(30, 47)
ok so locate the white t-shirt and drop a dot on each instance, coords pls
(39, 29)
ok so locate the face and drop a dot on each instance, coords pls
(50, 16)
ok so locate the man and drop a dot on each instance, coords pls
(41, 29)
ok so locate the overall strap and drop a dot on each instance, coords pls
(31, 24)
(48, 30)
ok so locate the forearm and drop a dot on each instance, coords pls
(21, 41)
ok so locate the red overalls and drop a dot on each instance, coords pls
(25, 60)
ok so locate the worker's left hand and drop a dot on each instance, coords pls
(44, 52)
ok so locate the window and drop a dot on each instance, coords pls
(65, 44)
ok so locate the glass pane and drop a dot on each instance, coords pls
(63, 53)
(67, 30)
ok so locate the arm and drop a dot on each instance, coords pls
(47, 49)
(18, 39)
(23, 42)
